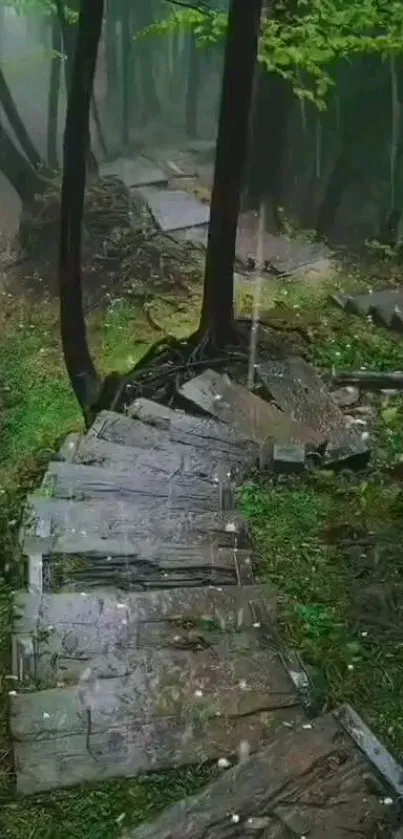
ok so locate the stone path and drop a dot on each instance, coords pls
(385, 307)
(145, 642)
(168, 178)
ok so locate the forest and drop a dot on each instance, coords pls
(201, 413)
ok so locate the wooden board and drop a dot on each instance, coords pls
(148, 488)
(245, 412)
(121, 527)
(312, 782)
(298, 390)
(172, 707)
(107, 630)
(154, 425)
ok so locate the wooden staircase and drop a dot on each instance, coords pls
(144, 640)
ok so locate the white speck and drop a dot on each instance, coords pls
(223, 763)
(83, 593)
(198, 693)
(83, 532)
(71, 445)
(287, 724)
(121, 605)
(364, 634)
(124, 622)
(109, 559)
(247, 560)
(217, 397)
(12, 693)
(350, 666)
(235, 818)
(218, 589)
(120, 818)
(243, 685)
(50, 628)
(365, 435)
(73, 530)
(12, 522)
(46, 716)
(12, 677)
(228, 474)
(60, 684)
(307, 726)
(177, 638)
(243, 750)
(256, 625)
(387, 801)
(230, 527)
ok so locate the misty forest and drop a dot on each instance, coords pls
(201, 419)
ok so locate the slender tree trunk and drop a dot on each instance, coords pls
(111, 58)
(271, 107)
(150, 101)
(240, 58)
(126, 67)
(53, 98)
(16, 123)
(334, 191)
(98, 127)
(78, 361)
(15, 167)
(192, 91)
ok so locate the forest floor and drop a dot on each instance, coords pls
(312, 532)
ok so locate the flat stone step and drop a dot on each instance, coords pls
(147, 489)
(174, 209)
(61, 635)
(171, 707)
(150, 425)
(299, 391)
(310, 782)
(247, 413)
(134, 173)
(385, 307)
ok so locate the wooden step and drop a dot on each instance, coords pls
(148, 488)
(310, 782)
(65, 632)
(152, 426)
(249, 415)
(171, 704)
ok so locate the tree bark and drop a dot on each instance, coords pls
(15, 167)
(111, 57)
(272, 103)
(192, 91)
(150, 101)
(240, 58)
(78, 361)
(17, 125)
(53, 98)
(126, 67)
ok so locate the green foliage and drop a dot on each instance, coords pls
(303, 45)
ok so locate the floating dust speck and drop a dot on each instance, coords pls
(235, 818)
(256, 625)
(46, 716)
(198, 693)
(223, 763)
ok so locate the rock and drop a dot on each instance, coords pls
(346, 396)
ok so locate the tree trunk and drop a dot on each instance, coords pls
(150, 101)
(53, 98)
(240, 58)
(78, 361)
(15, 167)
(17, 125)
(267, 146)
(111, 58)
(192, 91)
(126, 67)
(333, 195)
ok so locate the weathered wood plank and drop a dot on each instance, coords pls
(149, 567)
(310, 782)
(174, 707)
(153, 425)
(120, 526)
(246, 412)
(297, 389)
(146, 488)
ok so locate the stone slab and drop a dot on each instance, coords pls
(311, 782)
(281, 255)
(174, 209)
(246, 412)
(134, 173)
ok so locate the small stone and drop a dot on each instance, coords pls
(256, 625)
(198, 693)
(235, 818)
(12, 693)
(46, 716)
(350, 666)
(307, 726)
(223, 763)
(387, 801)
(288, 458)
(346, 396)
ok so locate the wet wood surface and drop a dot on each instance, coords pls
(311, 782)
(245, 412)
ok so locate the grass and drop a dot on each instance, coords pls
(290, 521)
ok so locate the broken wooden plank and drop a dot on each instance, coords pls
(149, 567)
(310, 782)
(121, 526)
(376, 753)
(146, 488)
(299, 391)
(70, 633)
(175, 708)
(246, 412)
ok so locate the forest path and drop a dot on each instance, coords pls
(145, 641)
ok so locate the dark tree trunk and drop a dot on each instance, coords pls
(79, 364)
(15, 167)
(267, 145)
(192, 91)
(126, 68)
(53, 98)
(16, 123)
(98, 127)
(333, 195)
(240, 58)
(111, 58)
(150, 102)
